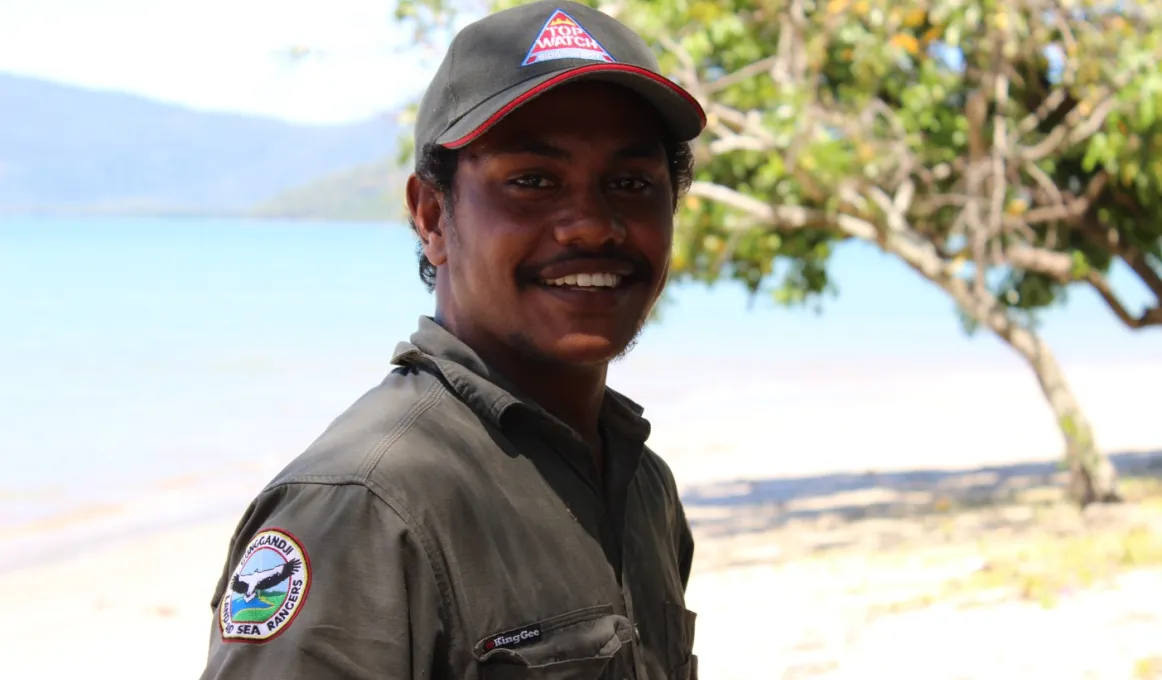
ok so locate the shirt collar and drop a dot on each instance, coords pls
(488, 392)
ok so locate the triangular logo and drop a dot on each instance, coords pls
(562, 37)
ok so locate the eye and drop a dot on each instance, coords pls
(633, 185)
(531, 181)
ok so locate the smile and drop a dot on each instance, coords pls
(587, 281)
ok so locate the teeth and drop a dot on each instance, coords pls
(597, 280)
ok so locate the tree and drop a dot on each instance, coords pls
(1005, 150)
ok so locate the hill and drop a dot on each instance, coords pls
(70, 149)
(370, 192)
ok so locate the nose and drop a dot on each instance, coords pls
(589, 221)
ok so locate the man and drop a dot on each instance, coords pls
(490, 510)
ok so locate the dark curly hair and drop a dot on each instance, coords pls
(437, 166)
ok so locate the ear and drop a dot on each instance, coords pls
(426, 205)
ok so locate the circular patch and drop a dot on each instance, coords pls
(267, 589)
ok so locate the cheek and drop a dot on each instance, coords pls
(497, 235)
(654, 237)
(490, 256)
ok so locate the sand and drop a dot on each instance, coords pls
(135, 609)
(139, 607)
(857, 421)
(131, 609)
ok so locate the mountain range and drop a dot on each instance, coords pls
(67, 149)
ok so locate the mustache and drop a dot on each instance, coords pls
(641, 266)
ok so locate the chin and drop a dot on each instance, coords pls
(587, 350)
(573, 348)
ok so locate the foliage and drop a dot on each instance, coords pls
(1016, 137)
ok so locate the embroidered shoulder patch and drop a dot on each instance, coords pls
(266, 590)
(563, 38)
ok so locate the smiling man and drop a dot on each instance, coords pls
(490, 510)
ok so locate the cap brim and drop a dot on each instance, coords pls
(680, 112)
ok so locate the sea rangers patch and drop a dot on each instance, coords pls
(562, 37)
(266, 590)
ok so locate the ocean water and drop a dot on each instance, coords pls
(139, 355)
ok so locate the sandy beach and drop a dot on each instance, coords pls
(138, 606)
(768, 608)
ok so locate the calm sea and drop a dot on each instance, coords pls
(138, 354)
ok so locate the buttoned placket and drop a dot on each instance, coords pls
(582, 461)
(622, 491)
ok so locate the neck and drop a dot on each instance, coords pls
(572, 395)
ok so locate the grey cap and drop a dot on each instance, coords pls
(504, 60)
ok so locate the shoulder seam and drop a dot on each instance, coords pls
(429, 399)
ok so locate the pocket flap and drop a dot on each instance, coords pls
(588, 637)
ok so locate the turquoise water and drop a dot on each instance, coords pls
(133, 350)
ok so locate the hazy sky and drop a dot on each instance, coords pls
(221, 54)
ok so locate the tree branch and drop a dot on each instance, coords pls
(790, 53)
(689, 70)
(1059, 266)
(1045, 182)
(780, 216)
(1069, 74)
(747, 72)
(1076, 128)
(1151, 316)
(999, 153)
(1134, 258)
(1068, 210)
(1032, 121)
(742, 122)
(728, 143)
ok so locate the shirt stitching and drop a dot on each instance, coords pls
(429, 398)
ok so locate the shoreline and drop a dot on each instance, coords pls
(755, 420)
(81, 531)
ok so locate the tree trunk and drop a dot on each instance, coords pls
(1092, 477)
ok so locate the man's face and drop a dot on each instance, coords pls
(563, 220)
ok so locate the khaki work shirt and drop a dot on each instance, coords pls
(446, 528)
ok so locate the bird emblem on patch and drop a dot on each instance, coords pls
(267, 588)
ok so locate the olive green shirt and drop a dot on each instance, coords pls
(446, 527)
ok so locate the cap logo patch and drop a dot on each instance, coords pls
(267, 588)
(562, 37)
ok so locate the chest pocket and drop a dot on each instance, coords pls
(578, 645)
(682, 663)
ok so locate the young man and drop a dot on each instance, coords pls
(490, 509)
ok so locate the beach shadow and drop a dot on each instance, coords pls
(749, 506)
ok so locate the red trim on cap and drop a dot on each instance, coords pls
(507, 108)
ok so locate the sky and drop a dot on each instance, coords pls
(224, 55)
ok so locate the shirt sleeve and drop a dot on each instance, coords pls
(325, 582)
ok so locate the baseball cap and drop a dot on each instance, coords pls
(501, 62)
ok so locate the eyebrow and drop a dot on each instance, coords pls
(539, 147)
